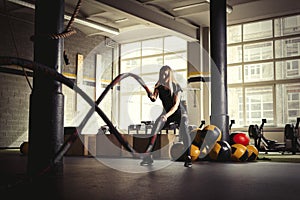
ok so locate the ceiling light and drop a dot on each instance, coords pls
(97, 26)
(189, 6)
(121, 20)
(23, 3)
(228, 7)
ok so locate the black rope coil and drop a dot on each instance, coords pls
(67, 32)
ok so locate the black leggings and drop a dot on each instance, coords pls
(178, 118)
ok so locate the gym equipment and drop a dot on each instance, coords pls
(291, 137)
(94, 105)
(239, 153)
(239, 138)
(24, 148)
(195, 152)
(231, 123)
(202, 124)
(262, 143)
(252, 152)
(196, 134)
(177, 152)
(199, 134)
(206, 138)
(221, 151)
(193, 130)
(203, 143)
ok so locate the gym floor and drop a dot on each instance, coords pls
(88, 178)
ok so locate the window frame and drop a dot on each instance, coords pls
(275, 60)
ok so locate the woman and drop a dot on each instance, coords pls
(169, 92)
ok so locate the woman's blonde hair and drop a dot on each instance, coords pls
(171, 76)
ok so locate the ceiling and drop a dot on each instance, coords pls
(128, 20)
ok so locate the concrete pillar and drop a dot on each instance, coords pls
(46, 116)
(193, 93)
(218, 41)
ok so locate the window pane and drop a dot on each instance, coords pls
(152, 47)
(234, 74)
(234, 34)
(287, 26)
(288, 103)
(173, 44)
(150, 79)
(180, 77)
(151, 110)
(152, 64)
(235, 107)
(288, 69)
(258, 51)
(259, 105)
(129, 85)
(258, 72)
(257, 30)
(129, 102)
(131, 66)
(234, 54)
(176, 61)
(131, 50)
(287, 47)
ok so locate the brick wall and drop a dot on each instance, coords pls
(14, 110)
(14, 90)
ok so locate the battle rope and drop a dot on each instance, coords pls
(119, 137)
(69, 83)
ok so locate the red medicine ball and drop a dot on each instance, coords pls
(239, 138)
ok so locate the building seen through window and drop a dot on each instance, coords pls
(264, 71)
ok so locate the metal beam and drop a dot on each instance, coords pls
(141, 11)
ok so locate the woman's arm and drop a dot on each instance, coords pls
(154, 95)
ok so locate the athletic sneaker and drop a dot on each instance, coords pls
(188, 162)
(147, 160)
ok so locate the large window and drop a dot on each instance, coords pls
(259, 104)
(264, 71)
(145, 58)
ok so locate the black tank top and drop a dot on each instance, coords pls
(168, 99)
